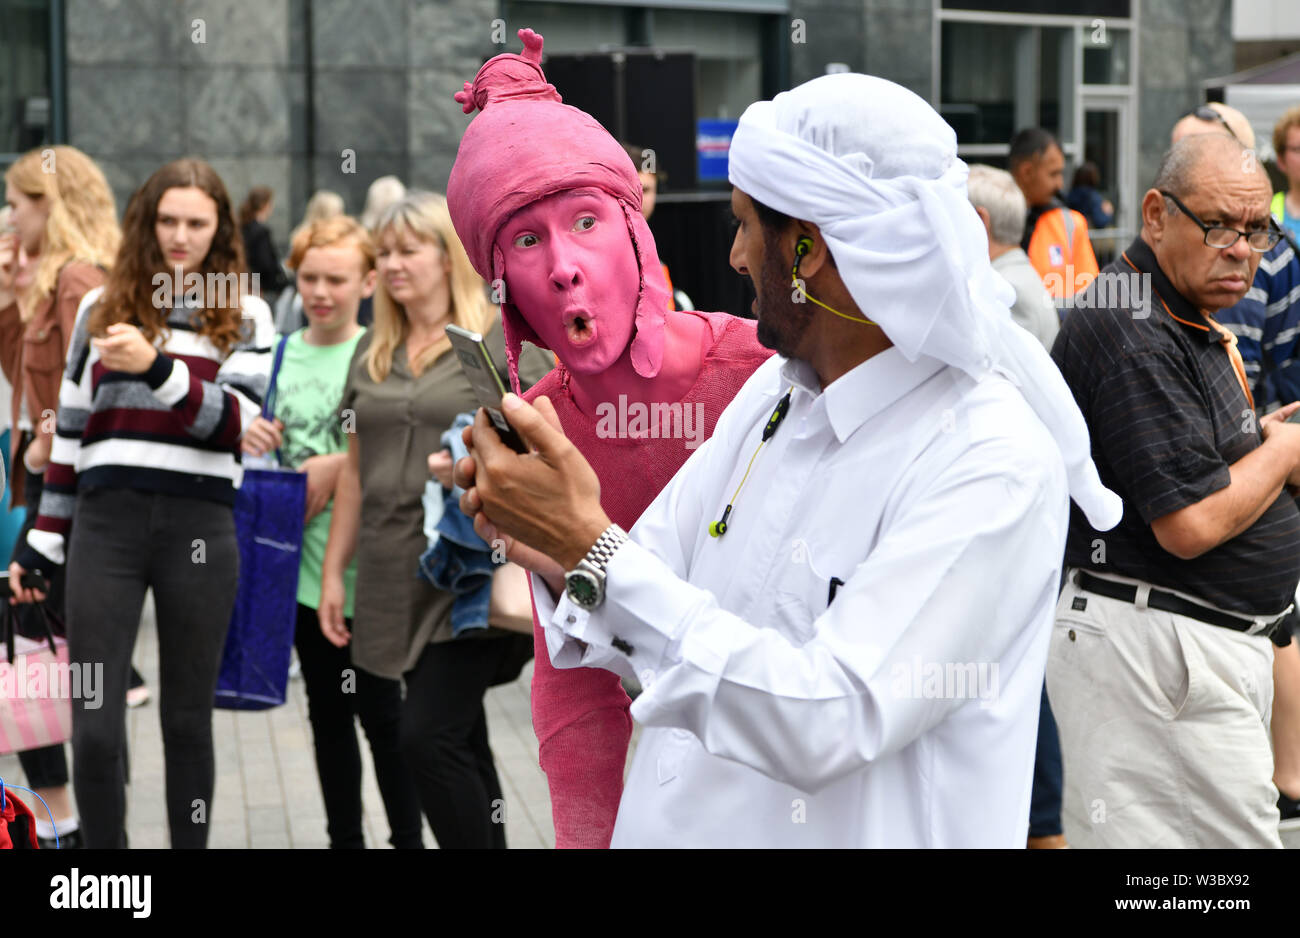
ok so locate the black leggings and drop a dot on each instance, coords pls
(445, 739)
(337, 693)
(124, 542)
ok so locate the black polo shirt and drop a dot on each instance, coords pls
(1168, 416)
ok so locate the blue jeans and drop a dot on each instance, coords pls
(461, 563)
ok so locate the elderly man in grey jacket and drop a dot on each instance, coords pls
(1001, 206)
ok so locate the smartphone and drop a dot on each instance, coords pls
(485, 380)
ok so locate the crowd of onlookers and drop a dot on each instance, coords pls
(1180, 353)
(137, 413)
(131, 417)
(359, 305)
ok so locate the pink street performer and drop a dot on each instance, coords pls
(548, 206)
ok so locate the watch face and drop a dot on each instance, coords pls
(582, 588)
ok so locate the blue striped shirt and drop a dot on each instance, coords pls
(1267, 326)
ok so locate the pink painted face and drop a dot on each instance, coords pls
(572, 273)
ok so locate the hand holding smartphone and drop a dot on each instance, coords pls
(486, 381)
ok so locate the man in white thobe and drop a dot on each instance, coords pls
(857, 659)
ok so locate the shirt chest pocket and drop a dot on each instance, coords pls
(42, 350)
(803, 589)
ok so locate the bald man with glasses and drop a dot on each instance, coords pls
(1214, 117)
(1160, 669)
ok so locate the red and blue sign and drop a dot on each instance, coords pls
(712, 146)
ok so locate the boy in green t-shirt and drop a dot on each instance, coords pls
(334, 260)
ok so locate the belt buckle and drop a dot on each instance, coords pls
(1267, 629)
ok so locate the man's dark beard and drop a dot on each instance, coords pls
(781, 321)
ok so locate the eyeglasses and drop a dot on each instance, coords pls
(1220, 237)
(1207, 113)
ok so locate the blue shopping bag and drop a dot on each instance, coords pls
(269, 509)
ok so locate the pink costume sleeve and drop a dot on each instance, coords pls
(583, 729)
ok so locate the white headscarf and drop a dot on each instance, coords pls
(875, 168)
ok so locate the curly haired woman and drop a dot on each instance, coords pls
(166, 368)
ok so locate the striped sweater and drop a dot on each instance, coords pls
(174, 429)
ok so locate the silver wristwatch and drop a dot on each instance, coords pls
(585, 584)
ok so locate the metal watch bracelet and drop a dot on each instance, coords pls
(610, 540)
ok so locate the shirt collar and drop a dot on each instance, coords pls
(1143, 258)
(864, 391)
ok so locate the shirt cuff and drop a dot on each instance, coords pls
(566, 651)
(636, 631)
(42, 550)
(169, 379)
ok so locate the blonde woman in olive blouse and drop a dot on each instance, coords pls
(404, 389)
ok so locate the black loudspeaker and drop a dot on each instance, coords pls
(648, 99)
(642, 97)
(694, 239)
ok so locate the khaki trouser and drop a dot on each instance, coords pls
(1164, 726)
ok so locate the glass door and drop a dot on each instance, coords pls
(1103, 185)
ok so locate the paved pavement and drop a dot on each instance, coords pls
(267, 794)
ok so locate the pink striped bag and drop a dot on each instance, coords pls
(36, 688)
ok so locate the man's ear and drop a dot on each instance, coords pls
(818, 256)
(983, 213)
(368, 283)
(1021, 171)
(1155, 216)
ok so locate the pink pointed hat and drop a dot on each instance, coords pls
(524, 145)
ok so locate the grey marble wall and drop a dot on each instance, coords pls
(833, 31)
(153, 80)
(1181, 43)
(142, 88)
(889, 38)
(899, 37)
(449, 40)
(360, 57)
(385, 76)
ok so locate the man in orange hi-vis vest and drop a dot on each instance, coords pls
(1056, 237)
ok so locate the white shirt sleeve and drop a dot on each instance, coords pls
(668, 523)
(933, 590)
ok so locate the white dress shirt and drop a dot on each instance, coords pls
(902, 714)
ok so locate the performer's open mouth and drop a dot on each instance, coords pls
(579, 328)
